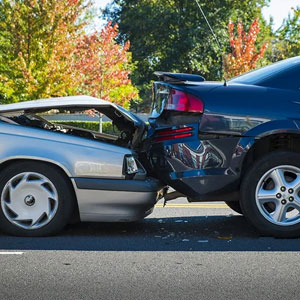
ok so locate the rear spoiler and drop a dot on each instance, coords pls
(178, 77)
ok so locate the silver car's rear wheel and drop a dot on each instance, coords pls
(29, 200)
(277, 195)
(36, 199)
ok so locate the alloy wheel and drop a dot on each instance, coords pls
(277, 195)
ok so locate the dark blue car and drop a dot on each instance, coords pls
(237, 142)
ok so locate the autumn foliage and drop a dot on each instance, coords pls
(104, 66)
(36, 50)
(45, 52)
(244, 56)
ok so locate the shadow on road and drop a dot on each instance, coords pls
(212, 233)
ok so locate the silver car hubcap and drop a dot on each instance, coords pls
(277, 195)
(29, 200)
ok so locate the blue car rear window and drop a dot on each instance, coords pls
(272, 73)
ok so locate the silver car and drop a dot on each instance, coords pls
(52, 173)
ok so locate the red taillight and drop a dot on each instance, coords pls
(182, 101)
(171, 134)
(172, 137)
(172, 131)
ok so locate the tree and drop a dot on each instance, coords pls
(37, 39)
(244, 56)
(287, 38)
(45, 52)
(171, 35)
(104, 67)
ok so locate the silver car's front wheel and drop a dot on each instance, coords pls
(271, 194)
(36, 199)
(29, 200)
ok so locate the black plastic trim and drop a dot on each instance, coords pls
(148, 185)
(178, 77)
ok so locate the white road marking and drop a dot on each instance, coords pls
(11, 253)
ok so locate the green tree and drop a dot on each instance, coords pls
(45, 52)
(287, 38)
(171, 35)
(37, 39)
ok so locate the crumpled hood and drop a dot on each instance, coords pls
(121, 117)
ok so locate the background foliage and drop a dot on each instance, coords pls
(104, 66)
(286, 41)
(48, 48)
(45, 52)
(35, 58)
(244, 56)
(172, 35)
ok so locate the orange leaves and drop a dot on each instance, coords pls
(104, 66)
(244, 56)
(73, 2)
(45, 52)
(41, 36)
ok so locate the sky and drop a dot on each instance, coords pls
(278, 9)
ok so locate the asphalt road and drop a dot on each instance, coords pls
(198, 252)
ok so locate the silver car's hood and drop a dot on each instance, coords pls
(122, 118)
(58, 102)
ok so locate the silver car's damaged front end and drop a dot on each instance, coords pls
(109, 183)
(111, 200)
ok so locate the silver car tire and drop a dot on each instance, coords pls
(35, 199)
(270, 194)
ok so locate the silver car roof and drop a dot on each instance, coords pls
(58, 102)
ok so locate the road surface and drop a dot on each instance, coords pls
(179, 252)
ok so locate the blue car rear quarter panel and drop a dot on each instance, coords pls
(197, 168)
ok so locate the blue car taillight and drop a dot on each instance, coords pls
(170, 134)
(182, 101)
